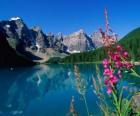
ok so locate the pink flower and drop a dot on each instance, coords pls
(127, 65)
(116, 57)
(119, 48)
(113, 79)
(105, 63)
(107, 82)
(125, 54)
(118, 64)
(109, 90)
(108, 71)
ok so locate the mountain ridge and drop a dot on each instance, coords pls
(38, 47)
(131, 43)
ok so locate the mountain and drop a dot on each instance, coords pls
(27, 45)
(35, 46)
(30, 44)
(131, 43)
(97, 39)
(9, 57)
(78, 42)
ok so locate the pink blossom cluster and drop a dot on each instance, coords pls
(113, 66)
(111, 78)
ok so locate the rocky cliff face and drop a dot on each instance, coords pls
(78, 42)
(16, 32)
(32, 44)
(97, 39)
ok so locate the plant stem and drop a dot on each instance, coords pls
(86, 105)
(116, 103)
(132, 69)
(135, 73)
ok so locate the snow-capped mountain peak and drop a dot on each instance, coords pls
(15, 18)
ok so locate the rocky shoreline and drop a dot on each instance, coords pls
(135, 103)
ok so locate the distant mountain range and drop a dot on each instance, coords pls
(20, 45)
(33, 45)
(131, 43)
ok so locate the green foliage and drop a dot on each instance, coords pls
(122, 105)
(54, 60)
(131, 43)
(90, 56)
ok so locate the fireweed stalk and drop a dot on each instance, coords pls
(114, 66)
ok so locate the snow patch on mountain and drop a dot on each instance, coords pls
(15, 18)
(74, 51)
(8, 26)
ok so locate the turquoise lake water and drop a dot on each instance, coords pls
(47, 90)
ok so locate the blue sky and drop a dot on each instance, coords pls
(67, 16)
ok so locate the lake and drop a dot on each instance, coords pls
(47, 90)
